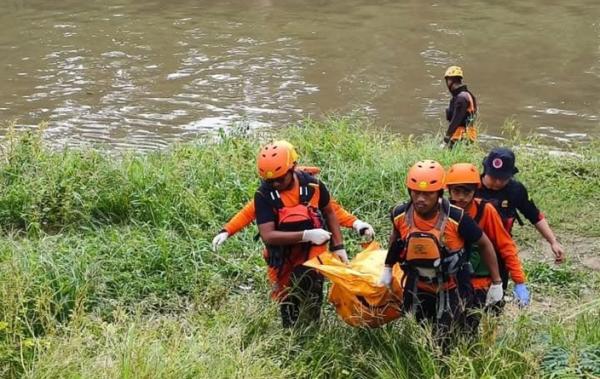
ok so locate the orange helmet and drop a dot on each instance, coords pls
(275, 159)
(462, 173)
(426, 176)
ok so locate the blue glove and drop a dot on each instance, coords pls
(521, 294)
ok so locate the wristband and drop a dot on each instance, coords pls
(337, 247)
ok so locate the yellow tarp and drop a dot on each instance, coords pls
(357, 297)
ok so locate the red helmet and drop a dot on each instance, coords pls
(462, 173)
(275, 159)
(426, 176)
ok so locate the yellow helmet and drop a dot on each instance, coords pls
(453, 71)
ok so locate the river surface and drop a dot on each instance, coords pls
(143, 74)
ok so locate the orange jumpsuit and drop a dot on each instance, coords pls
(491, 224)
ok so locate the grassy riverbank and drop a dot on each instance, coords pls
(106, 268)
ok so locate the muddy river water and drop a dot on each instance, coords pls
(143, 74)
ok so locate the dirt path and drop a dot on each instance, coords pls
(581, 252)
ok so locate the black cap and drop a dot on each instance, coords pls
(500, 163)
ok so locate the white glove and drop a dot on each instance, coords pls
(361, 226)
(219, 239)
(341, 253)
(386, 277)
(494, 294)
(316, 236)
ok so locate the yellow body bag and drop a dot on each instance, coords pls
(354, 292)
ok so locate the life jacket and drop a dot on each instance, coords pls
(305, 215)
(428, 262)
(467, 128)
(471, 109)
(426, 252)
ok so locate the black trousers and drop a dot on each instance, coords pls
(477, 308)
(425, 308)
(302, 304)
(503, 273)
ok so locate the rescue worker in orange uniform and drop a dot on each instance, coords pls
(295, 221)
(508, 196)
(428, 239)
(461, 111)
(462, 180)
(247, 214)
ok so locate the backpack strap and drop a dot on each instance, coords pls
(271, 195)
(307, 184)
(480, 209)
(455, 214)
(449, 213)
(409, 219)
(472, 107)
(399, 209)
(440, 225)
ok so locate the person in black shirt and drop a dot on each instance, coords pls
(461, 111)
(509, 196)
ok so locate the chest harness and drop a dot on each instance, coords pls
(428, 259)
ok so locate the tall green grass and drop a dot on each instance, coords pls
(106, 268)
(199, 185)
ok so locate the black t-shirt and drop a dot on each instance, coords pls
(265, 211)
(511, 198)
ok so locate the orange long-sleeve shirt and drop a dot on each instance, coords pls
(492, 226)
(247, 214)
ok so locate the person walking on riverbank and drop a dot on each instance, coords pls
(461, 111)
(295, 221)
(509, 196)
(428, 239)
